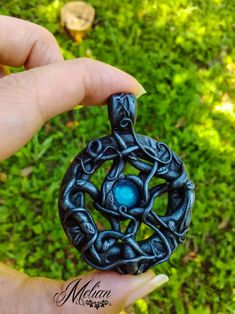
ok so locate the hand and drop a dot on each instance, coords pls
(28, 99)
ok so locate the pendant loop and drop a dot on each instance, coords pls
(122, 112)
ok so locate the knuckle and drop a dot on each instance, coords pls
(14, 82)
(46, 45)
(9, 82)
(44, 33)
(21, 91)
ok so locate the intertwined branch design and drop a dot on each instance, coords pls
(112, 248)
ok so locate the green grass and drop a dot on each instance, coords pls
(183, 53)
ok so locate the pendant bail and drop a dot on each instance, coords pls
(122, 111)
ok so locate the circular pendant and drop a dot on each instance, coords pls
(126, 197)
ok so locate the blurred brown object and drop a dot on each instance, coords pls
(189, 257)
(77, 17)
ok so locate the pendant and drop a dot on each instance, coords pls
(128, 198)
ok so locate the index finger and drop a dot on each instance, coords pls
(30, 98)
(25, 43)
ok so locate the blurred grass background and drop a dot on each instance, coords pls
(183, 53)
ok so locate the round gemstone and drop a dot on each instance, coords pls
(126, 193)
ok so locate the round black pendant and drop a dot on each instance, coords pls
(126, 197)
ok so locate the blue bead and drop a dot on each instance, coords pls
(126, 193)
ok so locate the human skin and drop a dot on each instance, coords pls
(29, 99)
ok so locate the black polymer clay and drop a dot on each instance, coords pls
(122, 197)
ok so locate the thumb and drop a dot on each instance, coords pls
(44, 295)
(119, 290)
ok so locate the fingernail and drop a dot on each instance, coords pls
(147, 288)
(141, 92)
